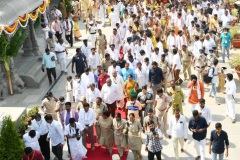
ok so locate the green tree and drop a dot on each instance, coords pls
(11, 146)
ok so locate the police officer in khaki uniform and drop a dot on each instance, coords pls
(198, 32)
(164, 65)
(98, 108)
(161, 105)
(101, 43)
(200, 62)
(106, 62)
(186, 61)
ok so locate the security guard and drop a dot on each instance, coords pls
(164, 65)
(200, 61)
(187, 57)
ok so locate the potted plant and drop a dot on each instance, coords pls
(234, 31)
(32, 112)
(11, 146)
(235, 62)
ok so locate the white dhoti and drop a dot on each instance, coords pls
(102, 18)
(230, 107)
(78, 151)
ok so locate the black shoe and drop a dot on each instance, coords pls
(50, 83)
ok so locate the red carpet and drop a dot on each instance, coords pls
(98, 153)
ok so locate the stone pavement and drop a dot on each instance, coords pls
(32, 97)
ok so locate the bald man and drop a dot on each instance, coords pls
(109, 94)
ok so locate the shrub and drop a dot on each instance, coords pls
(235, 60)
(11, 146)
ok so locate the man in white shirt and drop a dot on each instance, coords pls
(190, 18)
(94, 59)
(156, 55)
(159, 45)
(92, 94)
(113, 17)
(197, 46)
(62, 53)
(171, 41)
(176, 67)
(123, 28)
(115, 39)
(128, 45)
(79, 88)
(208, 43)
(178, 131)
(88, 77)
(56, 13)
(227, 19)
(86, 48)
(87, 117)
(56, 135)
(109, 94)
(132, 62)
(114, 67)
(181, 40)
(204, 111)
(114, 53)
(31, 140)
(141, 75)
(230, 97)
(118, 81)
(40, 125)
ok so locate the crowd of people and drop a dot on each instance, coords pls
(135, 71)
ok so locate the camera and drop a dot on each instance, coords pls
(77, 134)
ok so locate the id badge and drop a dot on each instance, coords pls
(225, 41)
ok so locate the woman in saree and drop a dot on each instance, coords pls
(129, 84)
(76, 29)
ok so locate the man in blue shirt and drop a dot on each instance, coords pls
(155, 78)
(225, 40)
(126, 71)
(80, 62)
(198, 126)
(48, 61)
(217, 139)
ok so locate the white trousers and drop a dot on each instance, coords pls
(193, 106)
(92, 38)
(102, 19)
(63, 62)
(230, 108)
(175, 146)
(200, 148)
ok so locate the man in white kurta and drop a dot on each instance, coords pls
(141, 75)
(118, 81)
(69, 89)
(178, 131)
(230, 97)
(204, 111)
(79, 89)
(73, 132)
(31, 140)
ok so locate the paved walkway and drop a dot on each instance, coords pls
(32, 97)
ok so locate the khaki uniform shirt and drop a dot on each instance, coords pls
(162, 102)
(101, 40)
(163, 65)
(177, 95)
(50, 44)
(201, 61)
(106, 64)
(98, 109)
(134, 137)
(147, 118)
(199, 33)
(120, 126)
(187, 56)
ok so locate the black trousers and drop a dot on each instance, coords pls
(151, 155)
(69, 152)
(58, 36)
(69, 38)
(44, 146)
(51, 71)
(112, 108)
(58, 151)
